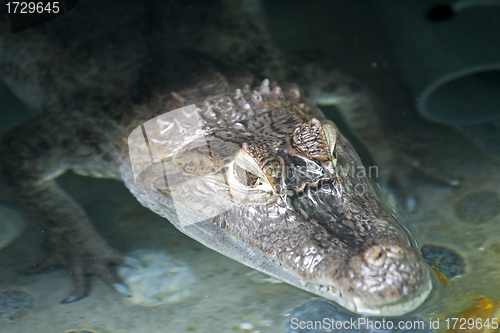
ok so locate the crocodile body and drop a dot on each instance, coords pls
(268, 188)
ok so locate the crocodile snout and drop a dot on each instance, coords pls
(388, 279)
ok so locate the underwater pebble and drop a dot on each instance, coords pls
(319, 310)
(158, 280)
(11, 225)
(447, 261)
(246, 326)
(478, 207)
(14, 303)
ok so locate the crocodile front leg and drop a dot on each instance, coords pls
(32, 157)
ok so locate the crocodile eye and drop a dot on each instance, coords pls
(247, 182)
(245, 177)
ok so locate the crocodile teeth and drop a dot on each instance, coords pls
(325, 288)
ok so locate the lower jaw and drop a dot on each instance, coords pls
(394, 309)
(389, 309)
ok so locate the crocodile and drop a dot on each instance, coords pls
(247, 167)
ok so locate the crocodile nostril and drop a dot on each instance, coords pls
(396, 252)
(375, 256)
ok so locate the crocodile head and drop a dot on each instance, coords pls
(287, 195)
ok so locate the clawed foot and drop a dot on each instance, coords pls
(86, 259)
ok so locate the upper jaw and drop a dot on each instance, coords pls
(363, 304)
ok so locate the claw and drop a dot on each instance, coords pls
(80, 288)
(122, 289)
(132, 262)
(73, 298)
